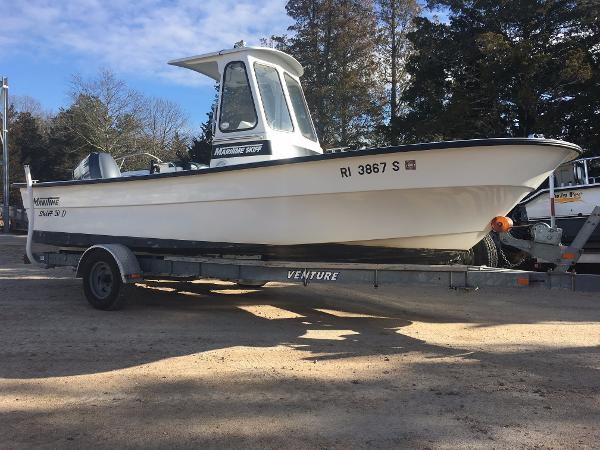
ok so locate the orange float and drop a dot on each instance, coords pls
(501, 224)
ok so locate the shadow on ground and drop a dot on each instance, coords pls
(164, 320)
(51, 331)
(286, 367)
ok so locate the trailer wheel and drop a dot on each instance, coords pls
(102, 283)
(485, 252)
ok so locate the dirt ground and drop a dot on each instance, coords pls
(206, 365)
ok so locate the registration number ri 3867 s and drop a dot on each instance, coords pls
(375, 168)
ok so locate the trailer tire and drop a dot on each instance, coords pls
(485, 252)
(102, 282)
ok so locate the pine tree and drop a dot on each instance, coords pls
(505, 68)
(28, 146)
(336, 42)
(396, 20)
(65, 146)
(200, 149)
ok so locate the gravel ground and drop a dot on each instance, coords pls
(206, 365)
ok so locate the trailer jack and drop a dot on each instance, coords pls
(546, 242)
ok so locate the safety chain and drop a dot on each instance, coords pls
(505, 262)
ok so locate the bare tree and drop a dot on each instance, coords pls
(162, 121)
(28, 104)
(106, 114)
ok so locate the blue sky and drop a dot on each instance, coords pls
(44, 42)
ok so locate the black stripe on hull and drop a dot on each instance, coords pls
(307, 252)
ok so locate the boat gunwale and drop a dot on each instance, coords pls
(429, 146)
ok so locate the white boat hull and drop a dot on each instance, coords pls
(443, 198)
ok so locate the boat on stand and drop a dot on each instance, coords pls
(567, 199)
(271, 192)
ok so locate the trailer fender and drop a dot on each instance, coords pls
(127, 262)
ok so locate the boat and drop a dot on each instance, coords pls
(271, 192)
(571, 193)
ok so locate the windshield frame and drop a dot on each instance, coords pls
(252, 95)
(314, 137)
(283, 94)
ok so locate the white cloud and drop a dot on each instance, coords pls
(137, 37)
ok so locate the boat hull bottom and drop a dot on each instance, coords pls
(440, 241)
(367, 251)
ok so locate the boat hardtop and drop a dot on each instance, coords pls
(212, 64)
(262, 113)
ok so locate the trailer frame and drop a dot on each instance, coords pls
(136, 267)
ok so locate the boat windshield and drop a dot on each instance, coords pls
(273, 99)
(300, 108)
(237, 107)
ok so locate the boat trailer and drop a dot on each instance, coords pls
(251, 272)
(107, 269)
